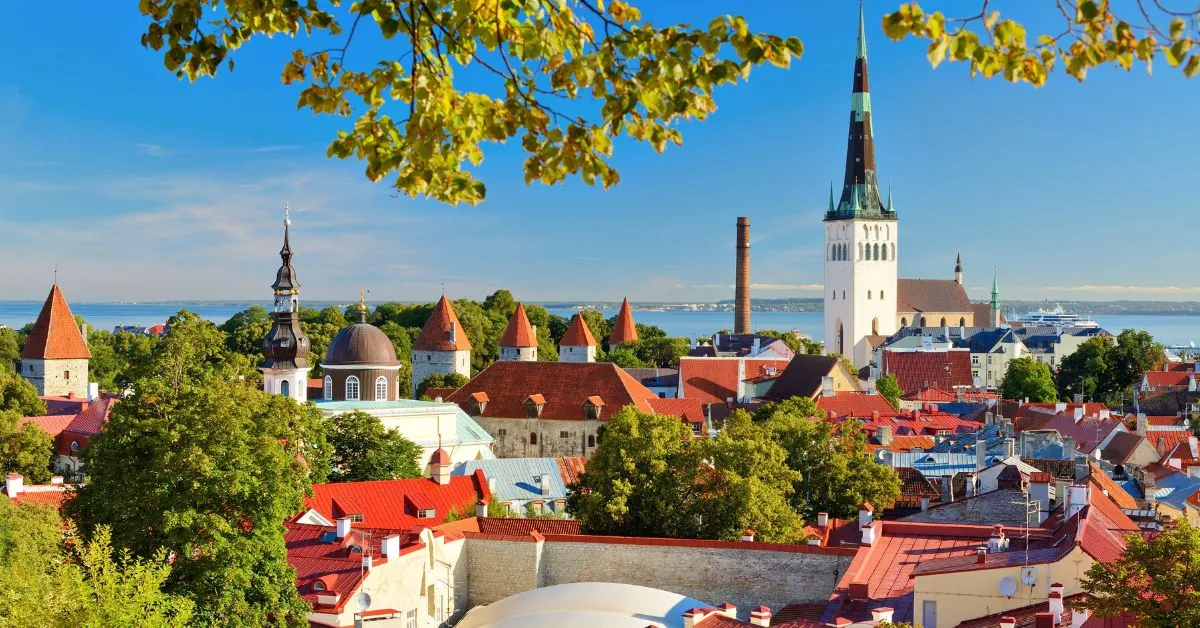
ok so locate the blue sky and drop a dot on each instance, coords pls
(143, 187)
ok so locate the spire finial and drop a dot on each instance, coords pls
(831, 196)
(286, 251)
(362, 305)
(862, 33)
(56, 273)
(891, 208)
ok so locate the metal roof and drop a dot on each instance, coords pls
(516, 479)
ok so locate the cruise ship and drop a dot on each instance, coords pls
(1056, 317)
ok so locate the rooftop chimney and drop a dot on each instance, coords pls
(980, 452)
(14, 483)
(1039, 491)
(343, 527)
(882, 615)
(822, 519)
(1141, 424)
(826, 386)
(883, 434)
(93, 391)
(481, 508)
(748, 535)
(741, 296)
(1008, 622)
(390, 546)
(866, 514)
(760, 616)
(1055, 604)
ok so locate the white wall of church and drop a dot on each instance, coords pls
(297, 383)
(860, 284)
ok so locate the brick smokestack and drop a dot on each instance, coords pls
(741, 313)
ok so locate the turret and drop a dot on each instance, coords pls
(994, 306)
(578, 344)
(55, 356)
(519, 342)
(443, 346)
(624, 330)
(286, 348)
(958, 269)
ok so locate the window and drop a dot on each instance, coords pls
(868, 295)
(922, 321)
(943, 323)
(860, 250)
(501, 432)
(328, 388)
(283, 388)
(355, 517)
(962, 322)
(351, 388)
(695, 429)
(427, 513)
(564, 434)
(885, 252)
(410, 619)
(881, 295)
(591, 442)
(876, 251)
(893, 251)
(381, 388)
(67, 375)
(533, 438)
(875, 326)
(904, 322)
(318, 586)
(843, 294)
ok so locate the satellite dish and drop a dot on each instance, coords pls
(1008, 586)
(1029, 576)
(362, 601)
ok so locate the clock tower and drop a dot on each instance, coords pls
(285, 371)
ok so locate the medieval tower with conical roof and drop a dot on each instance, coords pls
(286, 348)
(55, 356)
(861, 238)
(519, 342)
(442, 348)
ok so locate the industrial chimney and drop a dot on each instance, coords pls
(741, 314)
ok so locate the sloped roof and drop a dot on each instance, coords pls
(393, 504)
(854, 403)
(690, 410)
(517, 526)
(931, 295)
(1110, 488)
(715, 380)
(55, 335)
(578, 334)
(983, 314)
(1168, 379)
(442, 332)
(564, 385)
(570, 468)
(1121, 447)
(624, 330)
(519, 332)
(802, 377)
(915, 370)
(517, 479)
(903, 443)
(1088, 431)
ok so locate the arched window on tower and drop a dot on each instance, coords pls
(284, 388)
(868, 295)
(328, 388)
(881, 295)
(831, 252)
(381, 387)
(962, 322)
(860, 251)
(893, 251)
(885, 252)
(840, 337)
(943, 323)
(845, 252)
(875, 326)
(904, 322)
(351, 388)
(876, 251)
(922, 321)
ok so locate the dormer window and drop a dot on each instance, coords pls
(592, 407)
(534, 405)
(479, 403)
(355, 518)
(318, 586)
(428, 513)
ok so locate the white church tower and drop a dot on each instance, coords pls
(285, 371)
(861, 237)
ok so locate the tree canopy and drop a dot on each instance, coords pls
(24, 449)
(199, 462)
(1158, 581)
(888, 387)
(363, 449)
(18, 395)
(1027, 378)
(440, 380)
(1105, 369)
(50, 582)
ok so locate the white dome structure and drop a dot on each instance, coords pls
(585, 605)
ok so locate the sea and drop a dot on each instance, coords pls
(1173, 330)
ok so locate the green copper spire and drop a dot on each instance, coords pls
(831, 197)
(995, 293)
(891, 208)
(862, 33)
(855, 204)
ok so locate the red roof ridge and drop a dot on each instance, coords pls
(519, 332)
(624, 330)
(578, 334)
(55, 336)
(443, 331)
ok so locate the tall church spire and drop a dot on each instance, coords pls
(286, 348)
(861, 181)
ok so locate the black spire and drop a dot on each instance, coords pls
(860, 188)
(286, 346)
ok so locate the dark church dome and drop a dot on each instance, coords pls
(361, 343)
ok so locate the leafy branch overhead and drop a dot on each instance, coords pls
(1092, 35)
(565, 77)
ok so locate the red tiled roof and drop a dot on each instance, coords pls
(519, 332)
(55, 335)
(715, 380)
(1167, 379)
(1110, 488)
(570, 468)
(690, 410)
(931, 393)
(1026, 617)
(914, 485)
(851, 403)
(564, 385)
(917, 423)
(443, 332)
(92, 419)
(1121, 446)
(578, 334)
(934, 296)
(915, 370)
(317, 557)
(1165, 441)
(623, 330)
(717, 620)
(392, 504)
(52, 425)
(904, 443)
(65, 405)
(514, 526)
(42, 495)
(1039, 409)
(1103, 528)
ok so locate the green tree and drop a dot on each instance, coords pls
(363, 449)
(47, 583)
(402, 341)
(1028, 378)
(1135, 353)
(661, 351)
(838, 475)
(601, 328)
(10, 349)
(889, 388)
(625, 357)
(24, 449)
(647, 478)
(1158, 581)
(795, 341)
(332, 315)
(18, 395)
(200, 463)
(246, 330)
(441, 380)
(1087, 371)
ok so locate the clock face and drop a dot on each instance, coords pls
(283, 303)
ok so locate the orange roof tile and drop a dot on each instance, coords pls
(852, 403)
(623, 330)
(901, 444)
(564, 386)
(915, 370)
(715, 380)
(443, 332)
(570, 468)
(1111, 488)
(1167, 379)
(690, 410)
(519, 332)
(55, 335)
(578, 334)
(393, 504)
